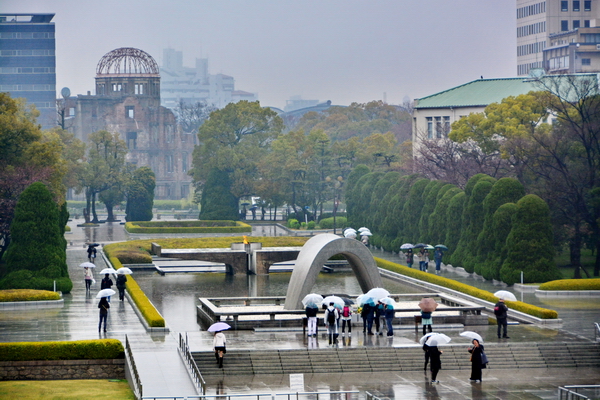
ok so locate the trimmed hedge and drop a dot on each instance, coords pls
(539, 312)
(572, 284)
(187, 227)
(27, 295)
(97, 349)
(149, 312)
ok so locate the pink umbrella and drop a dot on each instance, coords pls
(428, 304)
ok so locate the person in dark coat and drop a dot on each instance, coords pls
(311, 320)
(426, 351)
(435, 363)
(501, 312)
(103, 306)
(476, 364)
(410, 258)
(370, 316)
(379, 318)
(106, 283)
(121, 279)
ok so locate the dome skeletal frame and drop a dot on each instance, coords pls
(127, 61)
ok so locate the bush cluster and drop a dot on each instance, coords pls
(27, 295)
(572, 284)
(491, 227)
(327, 223)
(98, 349)
(188, 227)
(293, 223)
(539, 312)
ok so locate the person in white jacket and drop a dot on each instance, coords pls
(219, 347)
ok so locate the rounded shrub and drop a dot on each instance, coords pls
(327, 223)
(572, 284)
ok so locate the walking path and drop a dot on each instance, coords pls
(163, 374)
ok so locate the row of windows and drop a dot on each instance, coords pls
(558, 63)
(533, 9)
(532, 29)
(564, 24)
(5, 53)
(44, 104)
(27, 88)
(442, 127)
(26, 35)
(523, 69)
(138, 88)
(27, 70)
(531, 48)
(587, 5)
(591, 38)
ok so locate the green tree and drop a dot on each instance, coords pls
(438, 218)
(430, 194)
(217, 201)
(411, 212)
(454, 221)
(501, 226)
(352, 192)
(140, 195)
(36, 256)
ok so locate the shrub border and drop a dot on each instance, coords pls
(95, 349)
(155, 227)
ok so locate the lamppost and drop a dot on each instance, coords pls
(336, 187)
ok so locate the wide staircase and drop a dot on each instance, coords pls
(376, 359)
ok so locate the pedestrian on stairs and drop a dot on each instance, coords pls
(331, 320)
(219, 347)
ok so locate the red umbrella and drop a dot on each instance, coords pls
(428, 304)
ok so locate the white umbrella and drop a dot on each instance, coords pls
(406, 246)
(108, 271)
(365, 233)
(472, 335)
(124, 271)
(388, 301)
(436, 340)
(424, 338)
(87, 264)
(349, 230)
(218, 327)
(506, 295)
(377, 293)
(350, 235)
(105, 293)
(362, 229)
(312, 299)
(337, 301)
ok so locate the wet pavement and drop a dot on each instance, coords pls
(163, 373)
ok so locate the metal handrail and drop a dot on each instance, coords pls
(597, 332)
(569, 392)
(298, 394)
(257, 396)
(186, 354)
(137, 382)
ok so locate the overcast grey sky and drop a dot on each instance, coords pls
(339, 50)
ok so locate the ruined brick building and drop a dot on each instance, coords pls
(127, 101)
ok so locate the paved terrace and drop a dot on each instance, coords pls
(163, 374)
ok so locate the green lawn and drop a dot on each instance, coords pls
(84, 389)
(587, 260)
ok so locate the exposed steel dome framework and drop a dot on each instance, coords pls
(127, 61)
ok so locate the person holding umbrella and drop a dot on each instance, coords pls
(219, 346)
(435, 362)
(331, 318)
(106, 283)
(501, 312)
(437, 256)
(103, 306)
(121, 280)
(88, 277)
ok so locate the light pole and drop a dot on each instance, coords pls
(336, 187)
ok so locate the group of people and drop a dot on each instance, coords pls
(380, 314)
(478, 361)
(422, 257)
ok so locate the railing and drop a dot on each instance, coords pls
(597, 332)
(347, 395)
(135, 377)
(190, 363)
(571, 392)
(371, 396)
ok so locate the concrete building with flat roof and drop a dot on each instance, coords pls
(28, 62)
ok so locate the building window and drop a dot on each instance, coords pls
(429, 128)
(586, 23)
(139, 88)
(132, 140)
(71, 111)
(586, 61)
(587, 5)
(564, 5)
(169, 163)
(129, 111)
(184, 162)
(117, 87)
(438, 127)
(446, 126)
(185, 191)
(564, 25)
(576, 5)
(576, 24)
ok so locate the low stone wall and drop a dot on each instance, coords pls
(62, 369)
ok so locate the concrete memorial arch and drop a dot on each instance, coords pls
(316, 252)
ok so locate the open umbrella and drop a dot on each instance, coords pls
(105, 293)
(427, 336)
(124, 271)
(436, 340)
(93, 244)
(337, 301)
(472, 335)
(108, 271)
(218, 327)
(348, 301)
(350, 235)
(506, 295)
(419, 246)
(87, 265)
(362, 229)
(406, 246)
(365, 233)
(377, 293)
(349, 230)
(387, 301)
(312, 299)
(428, 304)
(441, 246)
(429, 247)
(364, 299)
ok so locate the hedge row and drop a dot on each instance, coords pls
(149, 312)
(97, 349)
(28, 295)
(571, 284)
(539, 312)
(188, 227)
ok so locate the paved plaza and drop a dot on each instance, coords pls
(163, 374)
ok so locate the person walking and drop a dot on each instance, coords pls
(346, 319)
(379, 318)
(426, 260)
(501, 312)
(121, 279)
(91, 250)
(370, 316)
(419, 257)
(435, 362)
(389, 318)
(331, 317)
(426, 320)
(106, 283)
(311, 320)
(88, 277)
(103, 306)
(476, 364)
(426, 351)
(410, 258)
(364, 313)
(219, 347)
(437, 256)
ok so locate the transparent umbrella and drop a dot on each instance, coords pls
(424, 338)
(312, 299)
(472, 335)
(105, 293)
(87, 265)
(436, 340)
(218, 327)
(108, 271)
(124, 271)
(506, 295)
(377, 293)
(337, 301)
(406, 246)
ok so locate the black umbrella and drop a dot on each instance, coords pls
(419, 246)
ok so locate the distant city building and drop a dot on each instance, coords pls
(28, 62)
(560, 36)
(297, 102)
(193, 85)
(127, 101)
